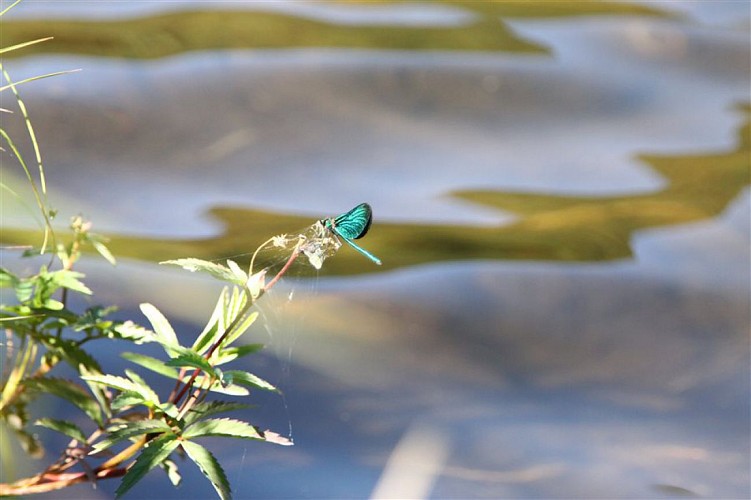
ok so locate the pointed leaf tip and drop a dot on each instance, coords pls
(209, 467)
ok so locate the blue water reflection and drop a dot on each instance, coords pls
(461, 379)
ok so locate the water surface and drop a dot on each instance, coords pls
(562, 208)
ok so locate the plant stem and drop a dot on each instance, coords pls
(45, 482)
(284, 269)
(176, 399)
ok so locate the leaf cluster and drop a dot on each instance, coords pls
(126, 409)
(41, 330)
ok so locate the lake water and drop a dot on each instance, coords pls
(561, 203)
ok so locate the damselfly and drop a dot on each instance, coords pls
(352, 226)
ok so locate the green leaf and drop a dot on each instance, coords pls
(98, 244)
(204, 410)
(136, 333)
(123, 384)
(236, 305)
(232, 353)
(24, 290)
(94, 319)
(70, 280)
(99, 392)
(7, 278)
(128, 430)
(119, 383)
(165, 335)
(216, 386)
(249, 380)
(69, 391)
(223, 427)
(126, 399)
(153, 364)
(241, 327)
(170, 409)
(68, 428)
(147, 391)
(161, 368)
(156, 453)
(192, 360)
(218, 271)
(211, 331)
(210, 468)
(76, 357)
(241, 277)
(53, 305)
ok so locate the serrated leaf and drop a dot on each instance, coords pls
(64, 427)
(147, 391)
(72, 392)
(204, 410)
(192, 360)
(232, 353)
(126, 385)
(128, 430)
(165, 335)
(152, 364)
(204, 266)
(126, 399)
(157, 452)
(136, 333)
(160, 367)
(223, 427)
(210, 332)
(99, 392)
(170, 409)
(240, 328)
(216, 386)
(76, 357)
(249, 380)
(119, 383)
(209, 467)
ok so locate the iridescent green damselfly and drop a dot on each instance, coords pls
(353, 225)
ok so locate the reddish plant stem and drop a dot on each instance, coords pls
(238, 318)
(45, 482)
(276, 278)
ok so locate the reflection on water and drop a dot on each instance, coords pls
(172, 32)
(561, 204)
(549, 227)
